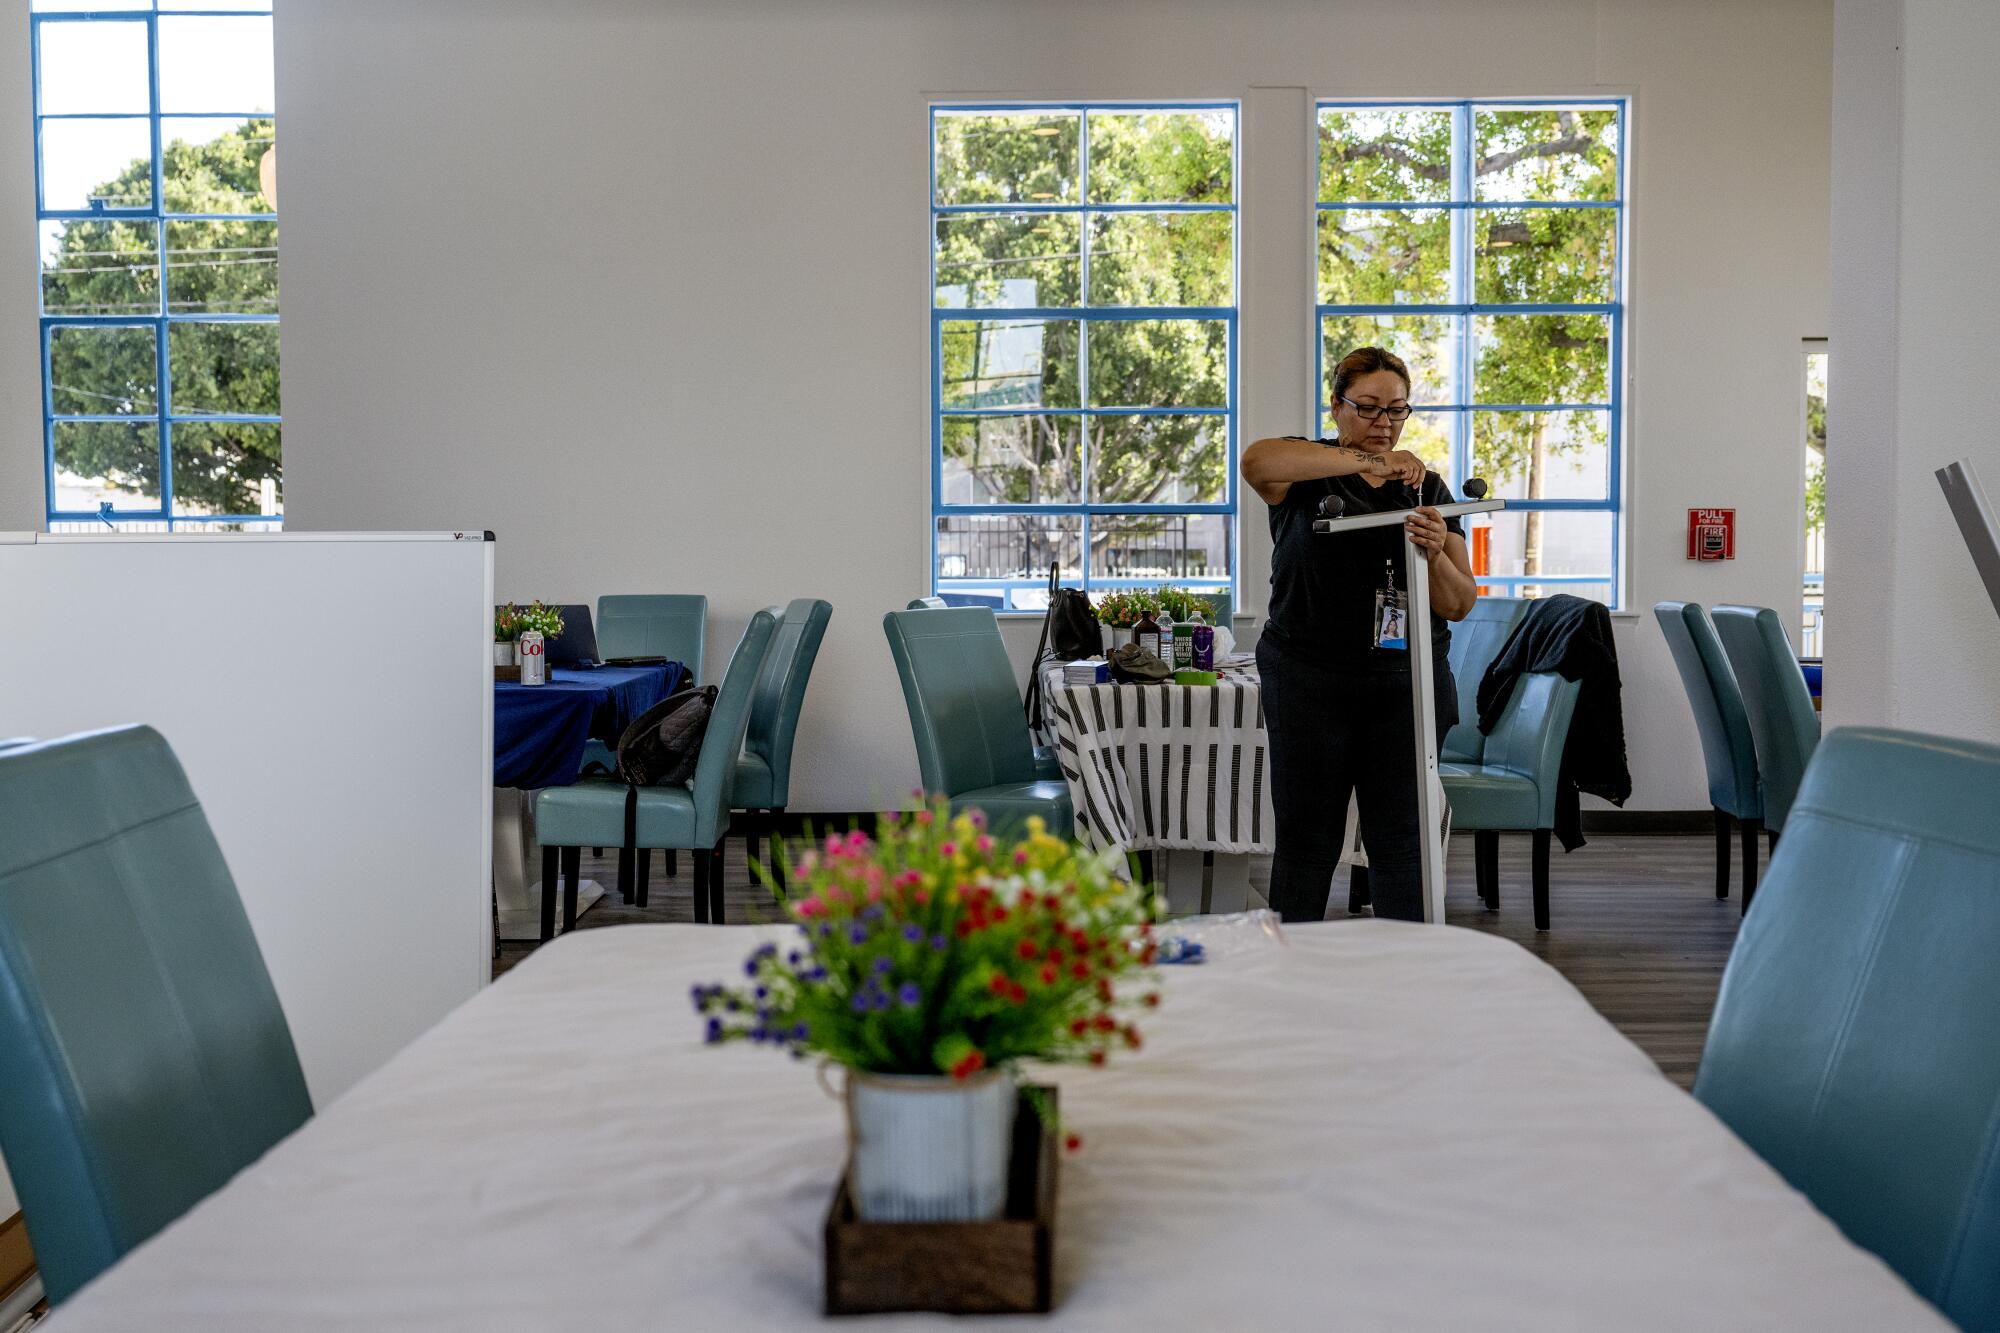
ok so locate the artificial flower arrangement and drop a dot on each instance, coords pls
(1122, 608)
(510, 622)
(938, 950)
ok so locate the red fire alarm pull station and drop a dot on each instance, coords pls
(1711, 534)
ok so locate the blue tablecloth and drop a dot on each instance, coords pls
(539, 730)
(1812, 671)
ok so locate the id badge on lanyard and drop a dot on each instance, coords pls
(1392, 612)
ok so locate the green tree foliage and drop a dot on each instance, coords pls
(988, 263)
(1520, 255)
(229, 266)
(1816, 442)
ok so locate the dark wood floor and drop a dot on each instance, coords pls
(1637, 926)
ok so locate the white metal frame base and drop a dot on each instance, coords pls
(1431, 811)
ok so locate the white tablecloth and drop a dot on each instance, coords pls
(1374, 1126)
(1166, 766)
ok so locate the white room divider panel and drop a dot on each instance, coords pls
(330, 696)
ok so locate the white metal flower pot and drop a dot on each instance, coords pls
(929, 1148)
(503, 653)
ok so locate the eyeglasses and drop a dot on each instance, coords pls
(1369, 411)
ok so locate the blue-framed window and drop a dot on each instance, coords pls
(155, 196)
(1484, 242)
(1083, 347)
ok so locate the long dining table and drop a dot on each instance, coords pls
(1357, 1125)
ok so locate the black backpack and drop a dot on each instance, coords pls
(663, 744)
(1070, 632)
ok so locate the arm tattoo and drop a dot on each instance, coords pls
(1373, 463)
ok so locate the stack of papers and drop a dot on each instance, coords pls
(1089, 671)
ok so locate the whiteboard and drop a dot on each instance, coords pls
(330, 696)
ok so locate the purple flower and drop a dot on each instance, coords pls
(860, 1002)
(911, 995)
(793, 958)
(714, 1031)
(763, 991)
(856, 933)
(913, 932)
(750, 966)
(801, 1032)
(940, 943)
(882, 964)
(880, 999)
(873, 912)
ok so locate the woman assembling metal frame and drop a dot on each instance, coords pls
(1334, 653)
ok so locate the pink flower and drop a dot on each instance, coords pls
(948, 849)
(984, 844)
(979, 819)
(923, 817)
(1021, 856)
(811, 907)
(833, 844)
(857, 840)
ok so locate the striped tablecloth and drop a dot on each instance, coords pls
(1165, 766)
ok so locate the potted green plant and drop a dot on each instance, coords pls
(506, 631)
(932, 959)
(1119, 610)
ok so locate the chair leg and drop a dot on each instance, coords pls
(1486, 865)
(715, 866)
(1722, 832)
(1541, 873)
(775, 843)
(625, 874)
(572, 865)
(597, 851)
(701, 886)
(1358, 894)
(673, 863)
(549, 861)
(753, 821)
(644, 873)
(1751, 828)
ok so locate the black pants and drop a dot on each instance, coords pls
(1336, 733)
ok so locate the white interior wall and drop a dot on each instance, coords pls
(1910, 632)
(641, 285)
(22, 506)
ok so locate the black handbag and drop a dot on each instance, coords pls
(1070, 632)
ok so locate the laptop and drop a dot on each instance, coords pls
(576, 646)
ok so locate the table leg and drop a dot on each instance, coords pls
(517, 895)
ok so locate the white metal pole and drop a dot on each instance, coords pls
(1430, 792)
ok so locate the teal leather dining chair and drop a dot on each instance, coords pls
(927, 604)
(762, 784)
(1475, 642)
(1734, 789)
(1783, 723)
(144, 1057)
(694, 816)
(1852, 1042)
(965, 716)
(669, 625)
(1513, 786)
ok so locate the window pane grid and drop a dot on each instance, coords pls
(1505, 186)
(198, 276)
(1095, 353)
